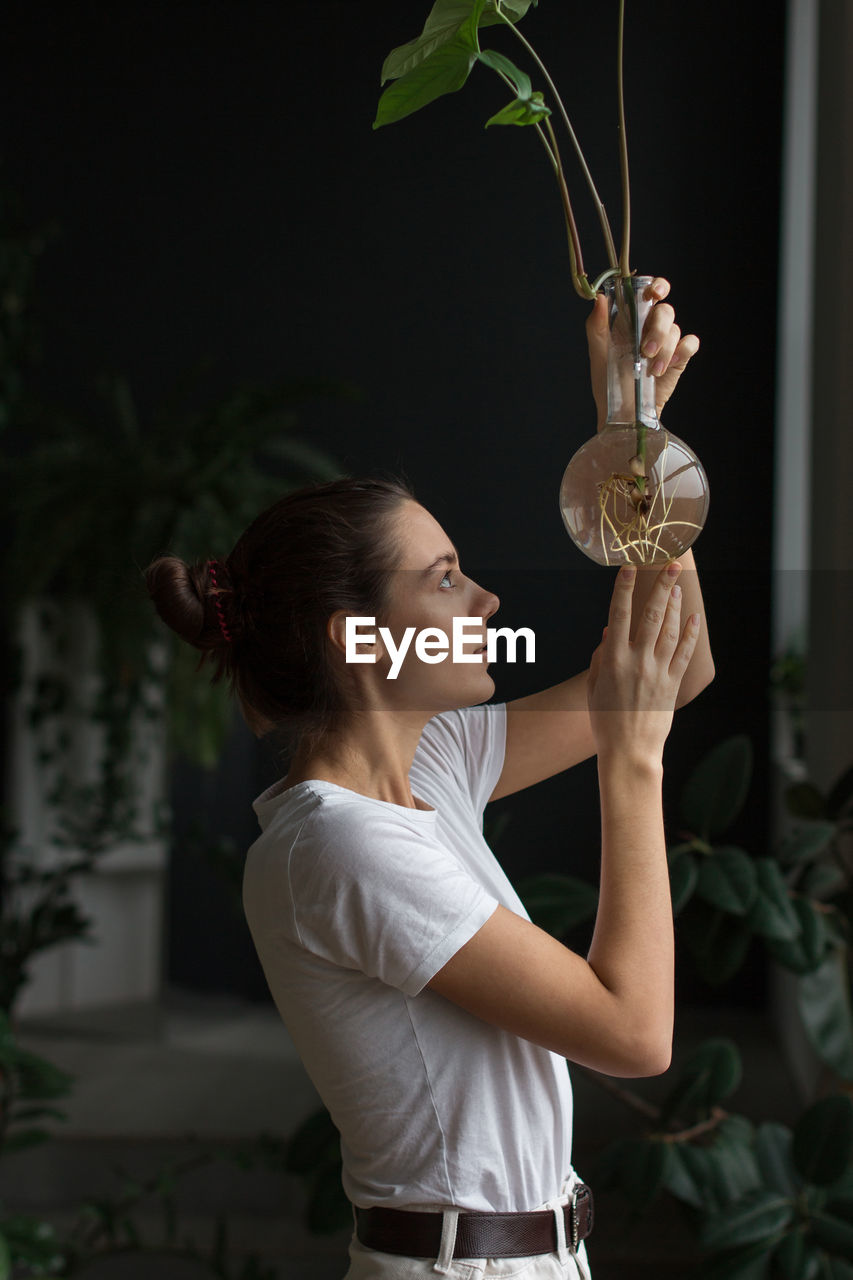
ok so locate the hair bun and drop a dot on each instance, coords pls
(194, 600)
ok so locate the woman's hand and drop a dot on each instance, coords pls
(669, 353)
(633, 683)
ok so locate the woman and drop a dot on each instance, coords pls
(433, 1017)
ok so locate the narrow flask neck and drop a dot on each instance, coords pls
(631, 392)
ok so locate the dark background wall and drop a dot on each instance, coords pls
(221, 194)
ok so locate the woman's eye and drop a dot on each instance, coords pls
(446, 577)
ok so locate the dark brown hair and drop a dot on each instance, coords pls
(321, 548)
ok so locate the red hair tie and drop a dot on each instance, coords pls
(211, 564)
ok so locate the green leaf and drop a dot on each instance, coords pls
(833, 1233)
(824, 1002)
(775, 1161)
(806, 842)
(683, 878)
(733, 1163)
(686, 1178)
(644, 1168)
(836, 1269)
(444, 71)
(709, 1075)
(805, 953)
(772, 913)
(716, 790)
(796, 1256)
(498, 62)
(443, 21)
(558, 903)
(823, 880)
(823, 1140)
(718, 941)
(530, 111)
(759, 1215)
(728, 880)
(747, 1263)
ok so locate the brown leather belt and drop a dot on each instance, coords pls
(478, 1235)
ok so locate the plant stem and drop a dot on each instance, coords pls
(579, 280)
(602, 215)
(624, 265)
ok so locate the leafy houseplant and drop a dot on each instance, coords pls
(634, 493)
(768, 1201)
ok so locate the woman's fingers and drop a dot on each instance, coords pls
(619, 617)
(655, 609)
(670, 627)
(680, 660)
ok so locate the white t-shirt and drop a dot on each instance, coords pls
(354, 904)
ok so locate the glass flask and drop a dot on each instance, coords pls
(634, 493)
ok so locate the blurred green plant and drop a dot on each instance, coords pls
(90, 500)
(766, 1200)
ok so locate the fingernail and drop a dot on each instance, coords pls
(658, 368)
(651, 349)
(628, 572)
(694, 620)
(674, 570)
(676, 592)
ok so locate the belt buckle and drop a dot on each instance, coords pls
(573, 1219)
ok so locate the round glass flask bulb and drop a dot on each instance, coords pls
(634, 493)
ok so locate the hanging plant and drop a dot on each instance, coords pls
(635, 493)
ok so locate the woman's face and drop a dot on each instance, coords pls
(429, 589)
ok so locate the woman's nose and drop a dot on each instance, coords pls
(492, 604)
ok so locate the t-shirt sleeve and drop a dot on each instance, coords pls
(377, 896)
(470, 745)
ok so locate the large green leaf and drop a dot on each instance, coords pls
(644, 1169)
(712, 1073)
(728, 880)
(806, 842)
(718, 941)
(772, 913)
(806, 952)
(687, 1178)
(775, 1161)
(823, 1140)
(796, 1256)
(443, 21)
(716, 790)
(836, 1269)
(834, 1234)
(824, 1002)
(759, 1215)
(747, 1263)
(558, 903)
(733, 1151)
(444, 71)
